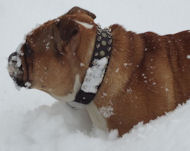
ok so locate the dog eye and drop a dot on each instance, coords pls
(74, 32)
(59, 50)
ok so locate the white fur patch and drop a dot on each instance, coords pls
(97, 119)
(86, 25)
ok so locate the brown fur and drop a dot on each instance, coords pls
(148, 74)
(155, 80)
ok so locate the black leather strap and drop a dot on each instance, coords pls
(101, 54)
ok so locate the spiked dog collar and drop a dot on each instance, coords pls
(97, 67)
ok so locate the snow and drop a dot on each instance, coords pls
(127, 64)
(82, 64)
(129, 90)
(27, 84)
(47, 45)
(18, 50)
(31, 120)
(117, 70)
(154, 83)
(86, 25)
(188, 56)
(17, 60)
(94, 75)
(106, 111)
(104, 94)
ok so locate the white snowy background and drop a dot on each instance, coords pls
(31, 120)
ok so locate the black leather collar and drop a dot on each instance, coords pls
(97, 67)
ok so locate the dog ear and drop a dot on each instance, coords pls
(68, 28)
(76, 9)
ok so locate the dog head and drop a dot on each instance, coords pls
(55, 53)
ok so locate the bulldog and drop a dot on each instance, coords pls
(119, 76)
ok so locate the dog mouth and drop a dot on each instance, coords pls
(18, 68)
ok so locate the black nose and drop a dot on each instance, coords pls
(15, 68)
(14, 54)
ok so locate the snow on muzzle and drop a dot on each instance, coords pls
(15, 69)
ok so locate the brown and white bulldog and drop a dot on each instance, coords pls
(147, 75)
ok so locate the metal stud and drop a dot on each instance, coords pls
(104, 43)
(102, 53)
(104, 35)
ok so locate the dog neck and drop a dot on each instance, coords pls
(97, 67)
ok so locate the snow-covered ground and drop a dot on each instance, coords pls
(31, 120)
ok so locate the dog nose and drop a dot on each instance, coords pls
(15, 68)
(11, 55)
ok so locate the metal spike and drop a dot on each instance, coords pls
(109, 49)
(109, 36)
(98, 46)
(99, 29)
(99, 26)
(110, 42)
(98, 32)
(99, 38)
(96, 54)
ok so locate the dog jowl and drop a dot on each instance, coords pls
(147, 74)
(49, 59)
